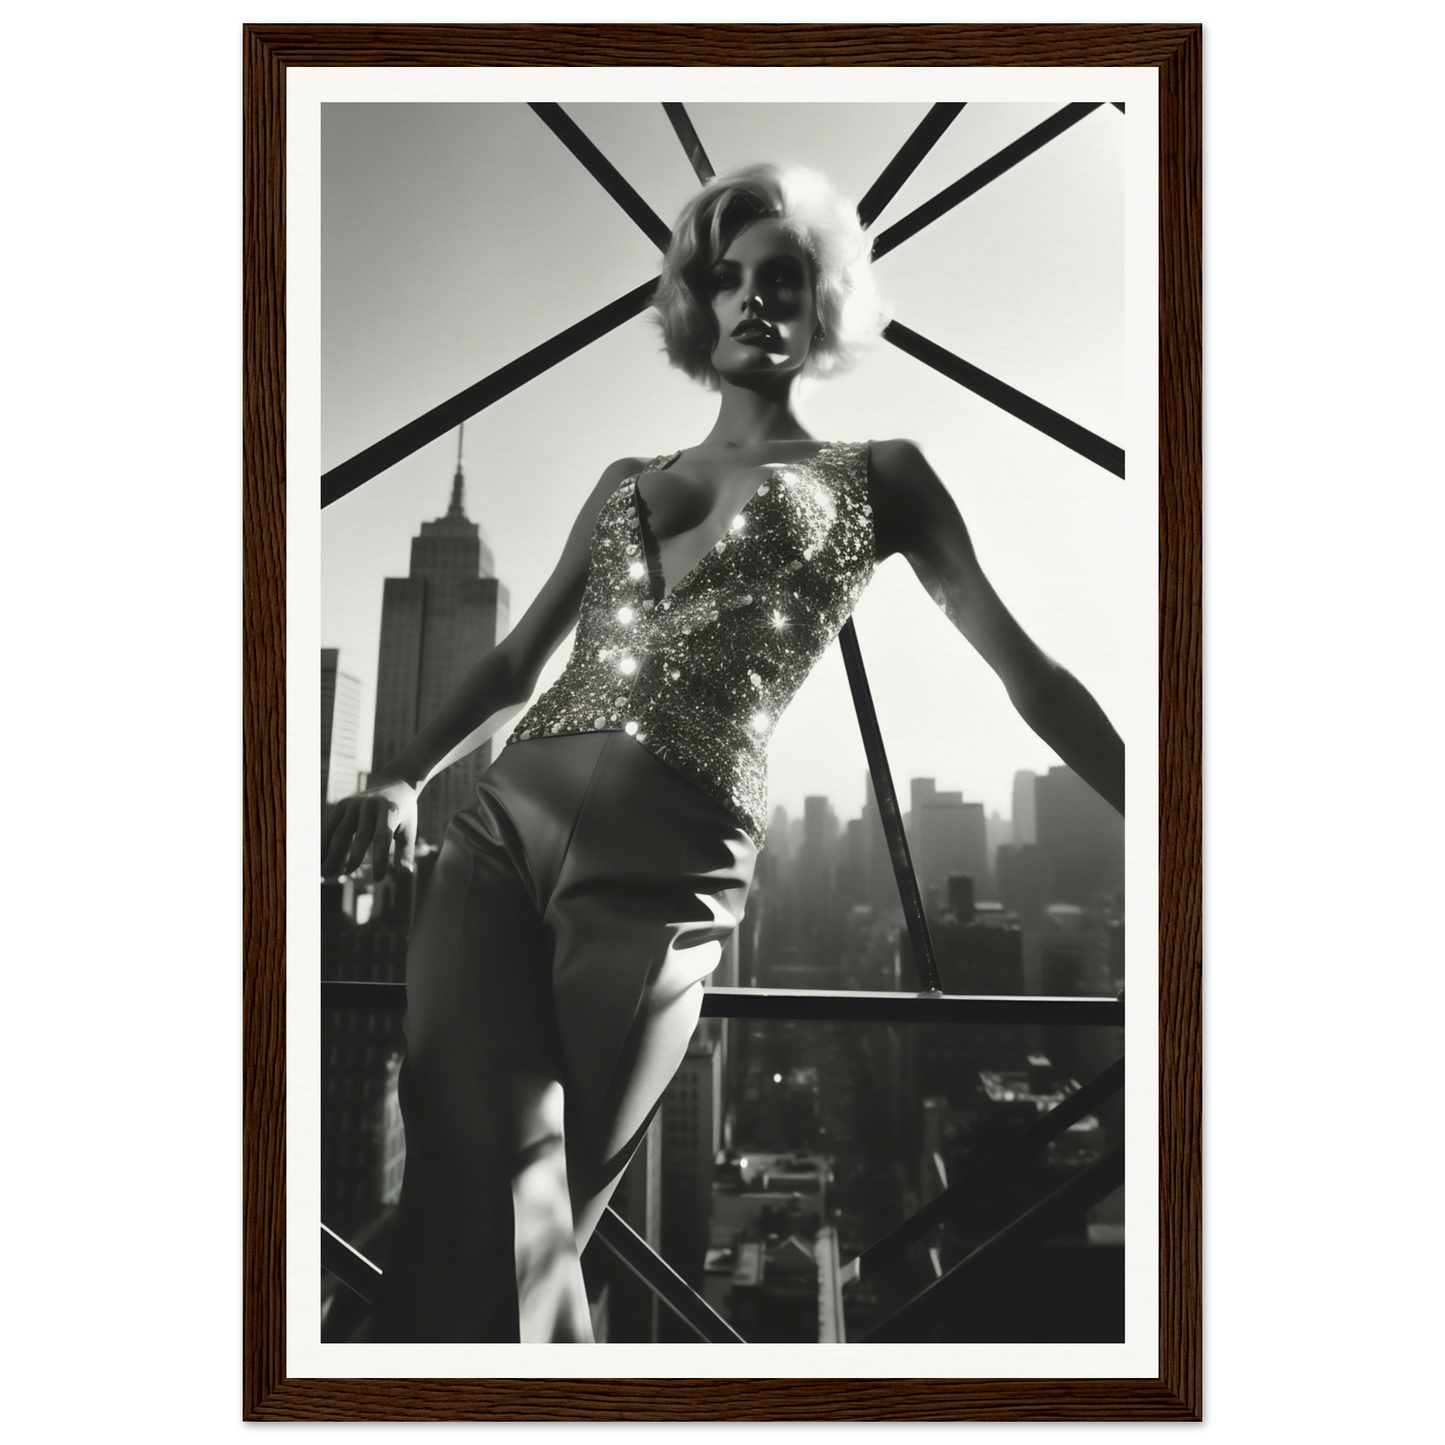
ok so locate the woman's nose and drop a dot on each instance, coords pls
(753, 302)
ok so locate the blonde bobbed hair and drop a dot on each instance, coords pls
(851, 314)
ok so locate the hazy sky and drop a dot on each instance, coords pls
(455, 237)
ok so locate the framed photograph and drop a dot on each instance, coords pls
(720, 935)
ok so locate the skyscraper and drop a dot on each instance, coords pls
(1025, 829)
(815, 868)
(340, 727)
(1082, 836)
(435, 623)
(691, 1136)
(946, 836)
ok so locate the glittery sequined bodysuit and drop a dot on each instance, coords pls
(700, 676)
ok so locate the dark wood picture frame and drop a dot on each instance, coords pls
(1175, 51)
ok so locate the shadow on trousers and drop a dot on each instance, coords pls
(554, 978)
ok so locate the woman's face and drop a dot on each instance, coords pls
(763, 304)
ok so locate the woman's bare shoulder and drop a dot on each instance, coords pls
(907, 496)
(625, 467)
(613, 475)
(897, 461)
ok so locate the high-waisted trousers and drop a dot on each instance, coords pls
(554, 979)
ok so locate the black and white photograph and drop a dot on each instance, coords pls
(736, 576)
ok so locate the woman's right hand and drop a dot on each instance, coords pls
(382, 818)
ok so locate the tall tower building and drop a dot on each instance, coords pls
(691, 1136)
(435, 623)
(947, 836)
(1000, 831)
(340, 728)
(1082, 836)
(816, 860)
(1025, 818)
(920, 790)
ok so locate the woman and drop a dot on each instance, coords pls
(557, 962)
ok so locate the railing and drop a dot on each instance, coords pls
(1089, 1185)
(823, 1005)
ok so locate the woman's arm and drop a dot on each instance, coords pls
(915, 515)
(492, 691)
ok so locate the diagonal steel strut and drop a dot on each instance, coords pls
(981, 175)
(373, 460)
(603, 171)
(910, 155)
(443, 418)
(682, 124)
(1007, 398)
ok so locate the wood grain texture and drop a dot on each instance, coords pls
(871, 45)
(263, 573)
(1175, 50)
(1180, 720)
(709, 1399)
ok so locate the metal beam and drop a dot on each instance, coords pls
(850, 1006)
(861, 1006)
(682, 124)
(349, 1265)
(664, 1281)
(959, 1194)
(603, 171)
(1081, 1192)
(910, 153)
(980, 176)
(361, 1276)
(353, 993)
(376, 458)
(391, 449)
(365, 465)
(1042, 418)
(887, 798)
